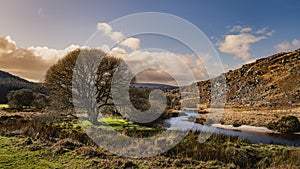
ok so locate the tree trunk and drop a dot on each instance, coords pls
(94, 121)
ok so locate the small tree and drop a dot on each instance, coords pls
(20, 98)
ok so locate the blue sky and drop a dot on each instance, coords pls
(57, 24)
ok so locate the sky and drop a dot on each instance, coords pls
(34, 34)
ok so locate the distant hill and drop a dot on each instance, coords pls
(9, 82)
(269, 82)
(154, 86)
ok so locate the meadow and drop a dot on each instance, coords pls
(50, 140)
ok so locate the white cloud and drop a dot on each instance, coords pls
(287, 46)
(236, 28)
(262, 30)
(132, 43)
(119, 37)
(50, 54)
(296, 43)
(239, 45)
(239, 40)
(7, 45)
(245, 30)
(107, 30)
(118, 52)
(240, 29)
(283, 46)
(265, 31)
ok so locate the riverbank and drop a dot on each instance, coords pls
(252, 117)
(246, 128)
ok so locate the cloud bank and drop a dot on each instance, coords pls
(160, 62)
(30, 63)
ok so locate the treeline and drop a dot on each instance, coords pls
(9, 83)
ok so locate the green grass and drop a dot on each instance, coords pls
(120, 124)
(188, 154)
(12, 157)
(2, 106)
(217, 152)
(112, 122)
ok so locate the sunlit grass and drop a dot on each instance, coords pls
(105, 123)
(120, 124)
(4, 106)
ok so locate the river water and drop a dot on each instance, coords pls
(182, 123)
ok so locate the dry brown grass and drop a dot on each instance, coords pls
(254, 117)
(23, 114)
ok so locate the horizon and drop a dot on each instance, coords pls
(158, 83)
(38, 33)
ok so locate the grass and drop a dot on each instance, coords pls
(61, 143)
(15, 155)
(217, 152)
(4, 106)
(121, 124)
(12, 157)
(114, 123)
(253, 117)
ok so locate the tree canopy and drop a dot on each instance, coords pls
(83, 76)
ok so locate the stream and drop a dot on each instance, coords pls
(182, 123)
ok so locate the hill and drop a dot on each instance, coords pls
(270, 82)
(9, 82)
(154, 86)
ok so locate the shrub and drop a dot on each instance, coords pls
(236, 124)
(26, 98)
(20, 98)
(200, 120)
(287, 124)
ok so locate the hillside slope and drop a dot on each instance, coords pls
(270, 82)
(9, 82)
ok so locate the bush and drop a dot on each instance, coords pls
(287, 124)
(20, 98)
(236, 124)
(200, 120)
(26, 98)
(40, 101)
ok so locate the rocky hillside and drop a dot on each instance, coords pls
(270, 82)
